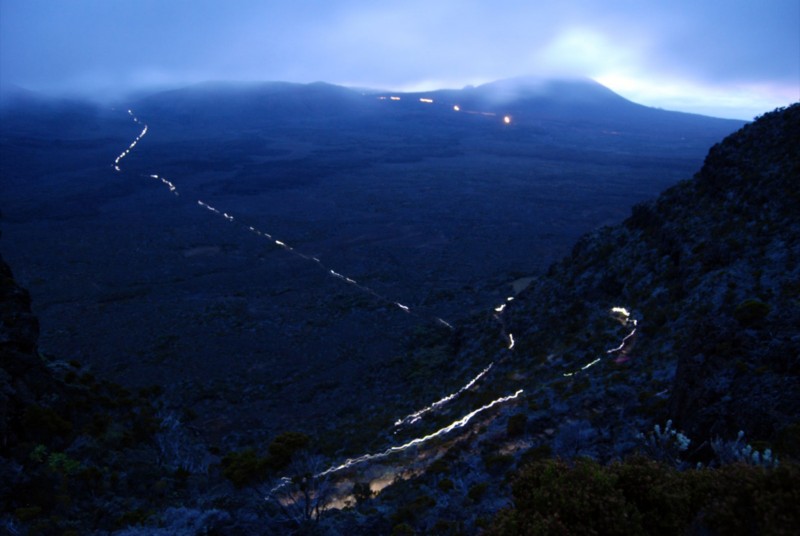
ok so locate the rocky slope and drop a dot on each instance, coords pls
(708, 273)
(687, 311)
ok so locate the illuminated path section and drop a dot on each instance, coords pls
(414, 417)
(624, 317)
(460, 423)
(279, 243)
(455, 107)
(331, 272)
(127, 151)
(169, 185)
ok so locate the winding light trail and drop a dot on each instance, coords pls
(350, 462)
(414, 417)
(127, 151)
(279, 243)
(626, 320)
(418, 415)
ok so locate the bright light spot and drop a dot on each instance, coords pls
(449, 428)
(507, 120)
(414, 417)
(394, 98)
(442, 322)
(457, 108)
(510, 341)
(428, 101)
(500, 308)
(621, 310)
(403, 307)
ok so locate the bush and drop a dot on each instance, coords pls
(244, 467)
(516, 425)
(643, 496)
(751, 313)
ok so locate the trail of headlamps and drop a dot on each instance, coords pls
(416, 416)
(625, 317)
(350, 462)
(622, 314)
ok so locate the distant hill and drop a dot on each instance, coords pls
(526, 98)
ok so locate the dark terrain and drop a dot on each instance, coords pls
(436, 209)
(645, 383)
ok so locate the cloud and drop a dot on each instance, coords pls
(744, 46)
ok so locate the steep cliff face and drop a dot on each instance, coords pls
(710, 270)
(23, 375)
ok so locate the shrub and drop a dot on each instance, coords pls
(643, 496)
(516, 425)
(284, 446)
(244, 467)
(751, 312)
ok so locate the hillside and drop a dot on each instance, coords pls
(433, 208)
(688, 311)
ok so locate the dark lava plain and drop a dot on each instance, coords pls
(436, 209)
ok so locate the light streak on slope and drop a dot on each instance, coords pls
(444, 323)
(414, 417)
(127, 151)
(279, 243)
(622, 347)
(460, 423)
(171, 186)
(510, 341)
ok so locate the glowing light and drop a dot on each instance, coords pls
(507, 120)
(171, 186)
(394, 98)
(442, 322)
(427, 101)
(621, 310)
(132, 145)
(403, 307)
(456, 108)
(510, 341)
(500, 308)
(418, 441)
(414, 417)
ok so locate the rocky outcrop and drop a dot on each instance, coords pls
(23, 374)
(710, 269)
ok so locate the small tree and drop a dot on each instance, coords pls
(304, 495)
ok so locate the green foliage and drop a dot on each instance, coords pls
(445, 485)
(362, 492)
(244, 467)
(61, 463)
(643, 496)
(284, 446)
(477, 491)
(42, 423)
(552, 497)
(751, 312)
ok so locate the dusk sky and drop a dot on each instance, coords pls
(729, 58)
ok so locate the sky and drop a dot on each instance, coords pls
(727, 58)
